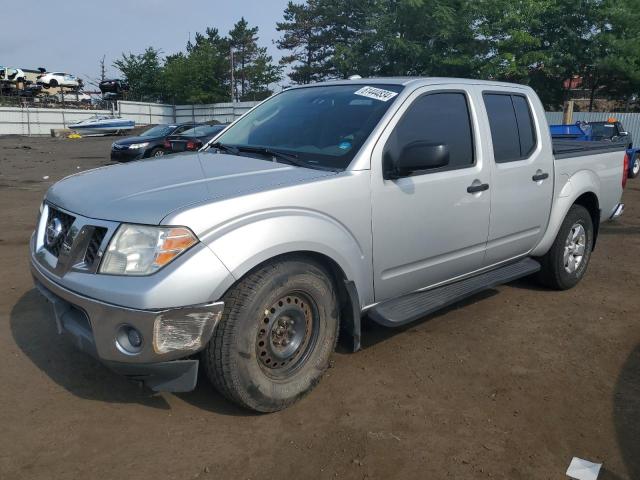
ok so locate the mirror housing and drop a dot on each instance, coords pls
(416, 156)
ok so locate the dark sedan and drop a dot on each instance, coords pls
(114, 86)
(148, 144)
(192, 139)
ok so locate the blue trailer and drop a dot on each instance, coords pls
(606, 131)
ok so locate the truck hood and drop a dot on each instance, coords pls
(148, 190)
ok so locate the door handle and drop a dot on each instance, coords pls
(481, 187)
(540, 176)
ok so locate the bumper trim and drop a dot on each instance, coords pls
(175, 376)
(94, 325)
(619, 210)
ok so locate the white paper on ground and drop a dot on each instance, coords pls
(583, 469)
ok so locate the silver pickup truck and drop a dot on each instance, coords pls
(388, 197)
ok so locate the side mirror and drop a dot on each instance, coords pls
(417, 156)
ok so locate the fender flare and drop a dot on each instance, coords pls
(243, 243)
(580, 183)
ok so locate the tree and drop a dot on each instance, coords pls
(253, 68)
(143, 73)
(201, 75)
(304, 38)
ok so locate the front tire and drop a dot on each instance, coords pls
(635, 166)
(157, 152)
(277, 332)
(566, 262)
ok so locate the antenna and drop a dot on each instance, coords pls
(232, 75)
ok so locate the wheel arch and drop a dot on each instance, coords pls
(246, 242)
(578, 191)
(347, 292)
(589, 200)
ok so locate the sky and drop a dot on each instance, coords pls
(73, 35)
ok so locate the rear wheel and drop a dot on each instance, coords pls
(635, 166)
(277, 332)
(53, 82)
(566, 262)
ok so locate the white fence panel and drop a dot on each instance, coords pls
(146, 113)
(220, 112)
(40, 121)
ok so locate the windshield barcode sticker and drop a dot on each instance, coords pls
(376, 93)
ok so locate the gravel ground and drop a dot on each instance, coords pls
(508, 385)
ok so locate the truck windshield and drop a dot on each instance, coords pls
(319, 126)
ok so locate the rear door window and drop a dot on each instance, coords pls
(512, 129)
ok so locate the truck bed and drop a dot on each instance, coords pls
(565, 148)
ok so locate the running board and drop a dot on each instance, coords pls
(414, 306)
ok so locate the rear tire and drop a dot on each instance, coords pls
(634, 170)
(566, 262)
(277, 332)
(53, 82)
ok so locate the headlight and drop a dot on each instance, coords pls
(135, 146)
(142, 250)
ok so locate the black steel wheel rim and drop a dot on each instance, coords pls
(287, 334)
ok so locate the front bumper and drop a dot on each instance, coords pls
(94, 327)
(127, 155)
(618, 211)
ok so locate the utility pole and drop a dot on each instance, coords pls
(103, 73)
(232, 76)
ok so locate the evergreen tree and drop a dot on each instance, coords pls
(253, 68)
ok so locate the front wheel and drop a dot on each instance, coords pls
(157, 152)
(566, 262)
(635, 166)
(277, 332)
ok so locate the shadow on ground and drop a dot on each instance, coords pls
(626, 413)
(34, 331)
(373, 334)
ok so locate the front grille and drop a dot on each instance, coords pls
(54, 239)
(94, 245)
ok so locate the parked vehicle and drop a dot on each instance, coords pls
(30, 90)
(116, 86)
(73, 97)
(192, 139)
(150, 143)
(13, 75)
(387, 197)
(58, 79)
(609, 131)
(103, 125)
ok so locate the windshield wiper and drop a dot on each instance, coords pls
(226, 148)
(290, 158)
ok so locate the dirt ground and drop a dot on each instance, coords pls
(508, 385)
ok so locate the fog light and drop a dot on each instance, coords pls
(187, 329)
(129, 340)
(135, 339)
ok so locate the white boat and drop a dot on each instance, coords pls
(103, 125)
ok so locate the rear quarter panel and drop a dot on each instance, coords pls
(600, 174)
